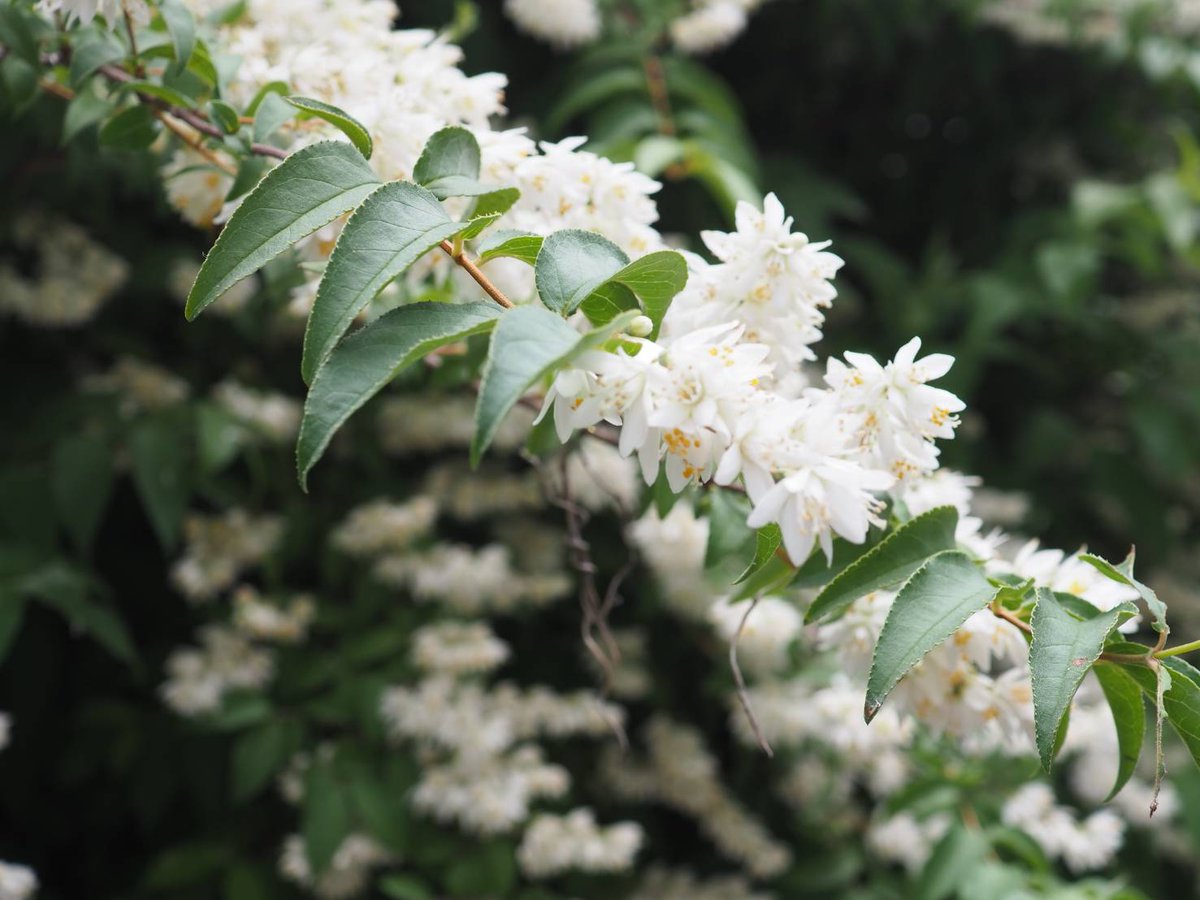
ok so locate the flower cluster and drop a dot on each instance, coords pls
(727, 394)
(74, 274)
(681, 773)
(1083, 845)
(348, 872)
(220, 548)
(712, 401)
(199, 678)
(555, 844)
(16, 882)
(705, 26)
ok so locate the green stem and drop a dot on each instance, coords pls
(1178, 651)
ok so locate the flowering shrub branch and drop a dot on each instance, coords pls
(695, 370)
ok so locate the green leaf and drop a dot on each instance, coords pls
(12, 614)
(818, 571)
(572, 264)
(259, 753)
(201, 64)
(728, 532)
(133, 128)
(82, 480)
(182, 28)
(251, 170)
(339, 118)
(592, 91)
(16, 34)
(520, 245)
(488, 208)
(185, 865)
(404, 887)
(767, 544)
(309, 189)
(1064, 648)
(451, 156)
(889, 563)
(1124, 575)
(656, 278)
(1181, 700)
(225, 116)
(394, 227)
(278, 88)
(159, 92)
(219, 436)
(20, 83)
(160, 453)
(325, 821)
(607, 302)
(776, 575)
(489, 871)
(371, 357)
(97, 48)
(384, 815)
(656, 153)
(87, 109)
(728, 184)
(952, 864)
(272, 111)
(66, 589)
(1129, 714)
(946, 591)
(529, 343)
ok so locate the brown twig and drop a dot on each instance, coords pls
(660, 95)
(594, 630)
(468, 265)
(1001, 613)
(166, 113)
(133, 47)
(742, 694)
(194, 141)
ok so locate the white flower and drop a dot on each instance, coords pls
(199, 678)
(556, 844)
(259, 619)
(196, 188)
(563, 23)
(17, 882)
(83, 11)
(382, 526)
(773, 281)
(348, 872)
(275, 417)
(894, 415)
(458, 648)
(141, 386)
(220, 548)
(905, 840)
(709, 26)
(72, 277)
(813, 503)
(679, 884)
(1082, 846)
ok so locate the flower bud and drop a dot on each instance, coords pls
(640, 327)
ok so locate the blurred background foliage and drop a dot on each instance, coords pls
(1032, 206)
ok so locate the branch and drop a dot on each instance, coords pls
(469, 266)
(171, 116)
(742, 694)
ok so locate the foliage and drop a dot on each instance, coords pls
(353, 634)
